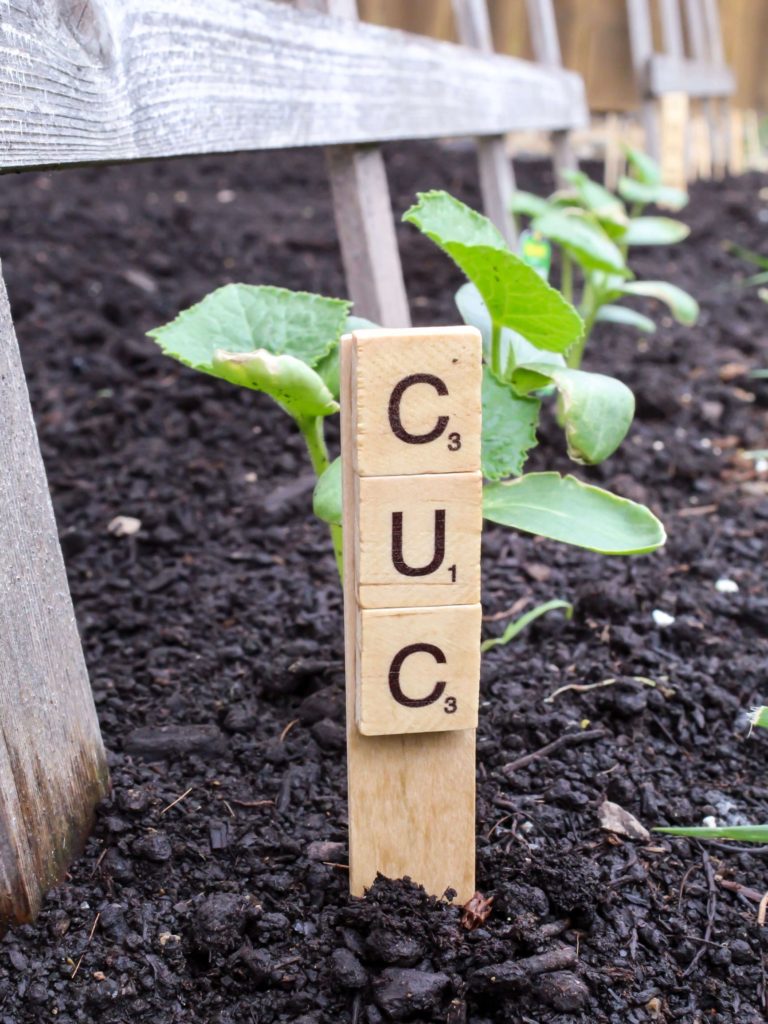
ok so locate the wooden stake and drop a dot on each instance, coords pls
(410, 418)
(674, 128)
(52, 764)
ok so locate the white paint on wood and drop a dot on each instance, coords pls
(52, 763)
(697, 79)
(147, 78)
(641, 48)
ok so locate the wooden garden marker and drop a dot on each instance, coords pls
(410, 420)
(52, 764)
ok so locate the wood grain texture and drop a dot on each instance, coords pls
(431, 523)
(411, 798)
(497, 177)
(147, 78)
(363, 213)
(546, 48)
(389, 367)
(697, 79)
(52, 764)
(435, 689)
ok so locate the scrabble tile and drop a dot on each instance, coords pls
(416, 401)
(418, 540)
(417, 670)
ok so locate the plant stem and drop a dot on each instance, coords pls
(566, 277)
(496, 349)
(313, 431)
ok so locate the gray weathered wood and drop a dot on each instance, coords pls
(497, 177)
(363, 213)
(149, 78)
(641, 48)
(52, 764)
(698, 80)
(366, 232)
(545, 42)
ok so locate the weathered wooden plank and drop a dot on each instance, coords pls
(641, 47)
(52, 764)
(363, 213)
(546, 47)
(698, 79)
(497, 177)
(124, 79)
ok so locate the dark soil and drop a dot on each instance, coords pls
(214, 889)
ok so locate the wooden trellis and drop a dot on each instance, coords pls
(691, 63)
(90, 81)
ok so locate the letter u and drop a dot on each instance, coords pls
(397, 546)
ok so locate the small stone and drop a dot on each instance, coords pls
(347, 971)
(563, 991)
(154, 847)
(741, 952)
(613, 818)
(242, 717)
(155, 743)
(726, 586)
(662, 619)
(321, 850)
(123, 526)
(400, 992)
(135, 800)
(391, 947)
(629, 703)
(220, 921)
(329, 735)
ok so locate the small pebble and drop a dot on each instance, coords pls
(726, 586)
(662, 619)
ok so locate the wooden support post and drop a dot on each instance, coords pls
(674, 148)
(52, 763)
(721, 104)
(546, 49)
(641, 47)
(410, 423)
(672, 33)
(497, 177)
(700, 51)
(364, 220)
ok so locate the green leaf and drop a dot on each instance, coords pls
(655, 231)
(597, 410)
(759, 717)
(327, 501)
(583, 239)
(634, 191)
(683, 307)
(519, 624)
(746, 254)
(645, 168)
(607, 207)
(565, 509)
(513, 292)
(296, 387)
(328, 366)
(528, 204)
(744, 833)
(244, 317)
(623, 315)
(509, 428)
(514, 348)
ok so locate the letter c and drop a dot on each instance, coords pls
(394, 408)
(394, 676)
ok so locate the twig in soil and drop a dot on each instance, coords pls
(250, 803)
(518, 606)
(333, 864)
(585, 687)
(97, 865)
(287, 729)
(569, 739)
(90, 936)
(696, 510)
(711, 910)
(176, 801)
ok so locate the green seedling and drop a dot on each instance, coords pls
(758, 718)
(286, 344)
(523, 621)
(595, 232)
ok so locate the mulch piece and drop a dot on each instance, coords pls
(214, 887)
